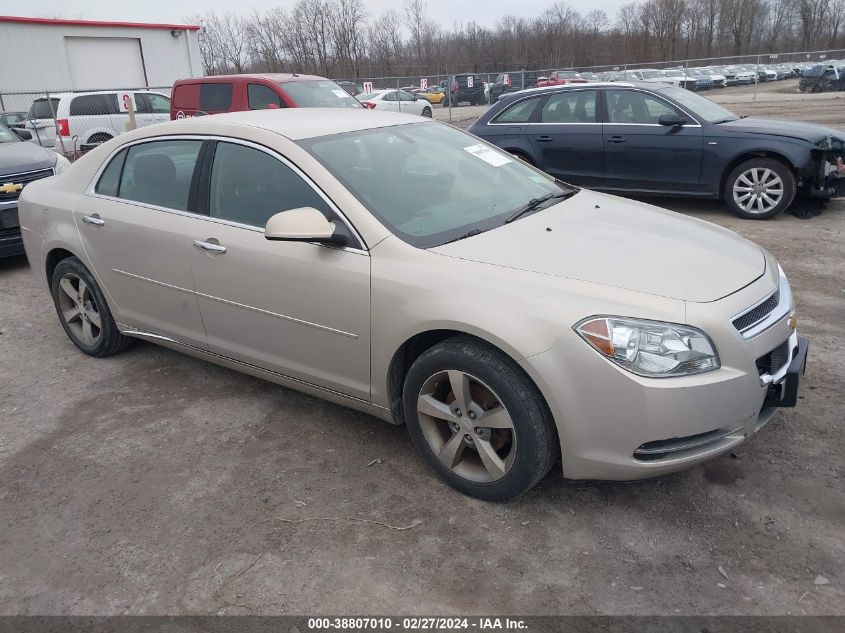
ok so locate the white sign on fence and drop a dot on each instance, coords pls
(469, 81)
(124, 99)
(368, 87)
(423, 84)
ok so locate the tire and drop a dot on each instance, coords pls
(427, 112)
(98, 139)
(759, 189)
(518, 451)
(80, 304)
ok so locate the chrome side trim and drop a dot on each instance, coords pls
(153, 281)
(285, 317)
(198, 351)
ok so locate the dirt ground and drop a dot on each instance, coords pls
(153, 483)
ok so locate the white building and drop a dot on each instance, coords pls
(38, 54)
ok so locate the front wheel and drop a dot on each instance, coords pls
(478, 420)
(759, 189)
(83, 311)
(426, 112)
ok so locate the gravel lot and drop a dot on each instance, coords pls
(153, 483)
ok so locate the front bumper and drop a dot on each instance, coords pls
(11, 243)
(615, 425)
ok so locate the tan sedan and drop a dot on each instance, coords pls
(405, 268)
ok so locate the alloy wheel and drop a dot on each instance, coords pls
(466, 426)
(79, 309)
(758, 190)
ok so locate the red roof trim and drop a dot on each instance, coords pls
(61, 22)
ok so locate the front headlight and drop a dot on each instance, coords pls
(650, 348)
(62, 163)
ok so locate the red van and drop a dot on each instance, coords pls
(234, 93)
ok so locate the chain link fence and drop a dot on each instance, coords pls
(71, 122)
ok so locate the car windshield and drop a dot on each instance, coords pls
(319, 94)
(815, 71)
(650, 74)
(699, 106)
(429, 183)
(674, 73)
(6, 135)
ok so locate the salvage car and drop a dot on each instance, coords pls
(21, 163)
(652, 139)
(402, 267)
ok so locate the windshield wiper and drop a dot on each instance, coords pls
(463, 237)
(728, 120)
(535, 203)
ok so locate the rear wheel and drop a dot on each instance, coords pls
(478, 420)
(759, 189)
(83, 311)
(426, 112)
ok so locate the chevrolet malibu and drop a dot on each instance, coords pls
(407, 269)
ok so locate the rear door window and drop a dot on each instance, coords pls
(576, 106)
(215, 97)
(160, 173)
(261, 97)
(149, 103)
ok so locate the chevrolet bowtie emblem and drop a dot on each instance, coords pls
(10, 187)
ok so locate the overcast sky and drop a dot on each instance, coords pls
(446, 12)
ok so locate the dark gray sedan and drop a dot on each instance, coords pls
(21, 162)
(651, 139)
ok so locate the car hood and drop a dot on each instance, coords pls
(16, 158)
(607, 240)
(776, 127)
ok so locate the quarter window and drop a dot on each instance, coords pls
(262, 97)
(159, 173)
(574, 106)
(519, 112)
(249, 186)
(629, 106)
(215, 97)
(110, 179)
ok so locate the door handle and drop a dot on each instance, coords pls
(94, 220)
(210, 246)
(616, 139)
(544, 139)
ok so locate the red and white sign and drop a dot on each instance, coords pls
(469, 81)
(124, 99)
(423, 84)
(368, 87)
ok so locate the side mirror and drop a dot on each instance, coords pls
(24, 135)
(671, 119)
(304, 224)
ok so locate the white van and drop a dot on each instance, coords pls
(81, 120)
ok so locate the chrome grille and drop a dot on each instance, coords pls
(757, 313)
(21, 179)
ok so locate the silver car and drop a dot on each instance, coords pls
(407, 269)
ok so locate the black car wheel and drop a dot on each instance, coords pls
(478, 420)
(759, 189)
(426, 112)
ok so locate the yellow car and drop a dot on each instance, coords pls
(434, 95)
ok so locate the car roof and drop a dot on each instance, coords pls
(276, 77)
(295, 123)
